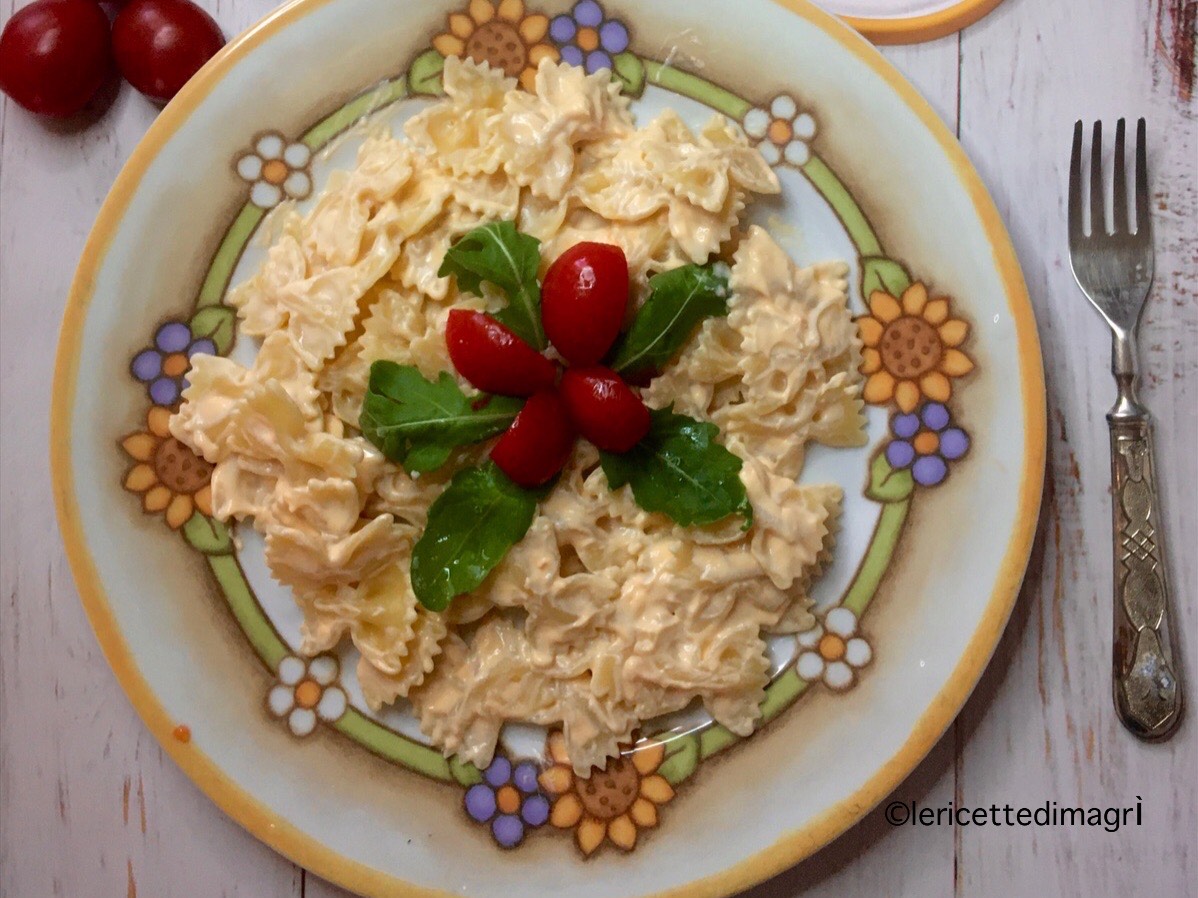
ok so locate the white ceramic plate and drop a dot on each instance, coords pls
(938, 521)
(909, 21)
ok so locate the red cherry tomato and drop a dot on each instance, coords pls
(493, 358)
(538, 443)
(55, 55)
(604, 408)
(160, 44)
(583, 301)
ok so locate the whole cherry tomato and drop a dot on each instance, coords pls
(160, 44)
(604, 408)
(583, 301)
(493, 358)
(538, 443)
(55, 55)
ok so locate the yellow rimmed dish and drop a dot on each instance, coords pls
(160, 604)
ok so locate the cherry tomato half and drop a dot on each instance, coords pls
(538, 443)
(604, 408)
(55, 55)
(493, 358)
(583, 300)
(160, 44)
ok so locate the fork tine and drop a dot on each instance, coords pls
(1076, 229)
(1143, 217)
(1120, 226)
(1097, 193)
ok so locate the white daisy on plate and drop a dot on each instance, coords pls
(833, 652)
(307, 691)
(276, 169)
(781, 132)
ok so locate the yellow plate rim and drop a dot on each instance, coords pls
(917, 29)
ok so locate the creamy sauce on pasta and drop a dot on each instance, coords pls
(604, 615)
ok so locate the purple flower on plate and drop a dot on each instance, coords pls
(586, 37)
(509, 799)
(925, 441)
(163, 367)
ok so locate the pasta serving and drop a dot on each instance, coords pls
(604, 614)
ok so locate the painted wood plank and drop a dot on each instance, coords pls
(90, 804)
(1047, 731)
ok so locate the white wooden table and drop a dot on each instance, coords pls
(90, 807)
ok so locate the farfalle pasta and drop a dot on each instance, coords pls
(605, 615)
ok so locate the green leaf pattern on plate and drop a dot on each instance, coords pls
(218, 324)
(887, 484)
(886, 275)
(631, 72)
(424, 76)
(207, 535)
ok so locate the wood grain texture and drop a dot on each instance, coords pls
(90, 807)
(1051, 731)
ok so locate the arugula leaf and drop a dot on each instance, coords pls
(679, 470)
(501, 255)
(471, 526)
(679, 301)
(418, 423)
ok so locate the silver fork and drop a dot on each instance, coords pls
(1114, 268)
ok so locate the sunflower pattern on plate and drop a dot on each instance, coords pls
(614, 804)
(915, 357)
(171, 479)
(505, 36)
(911, 348)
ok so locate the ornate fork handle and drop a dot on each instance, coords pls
(1148, 694)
